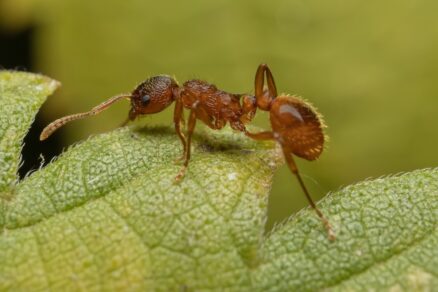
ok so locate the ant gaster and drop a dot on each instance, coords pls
(296, 126)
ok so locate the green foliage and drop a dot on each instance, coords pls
(106, 215)
(369, 66)
(21, 97)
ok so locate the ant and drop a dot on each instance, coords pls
(296, 125)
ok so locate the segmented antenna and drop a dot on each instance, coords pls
(53, 126)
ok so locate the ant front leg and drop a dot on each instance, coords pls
(293, 168)
(178, 119)
(191, 127)
(132, 115)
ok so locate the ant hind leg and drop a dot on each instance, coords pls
(293, 168)
(265, 135)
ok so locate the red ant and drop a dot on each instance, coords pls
(296, 125)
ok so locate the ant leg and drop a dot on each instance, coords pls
(264, 100)
(125, 122)
(266, 135)
(131, 116)
(177, 119)
(191, 127)
(293, 167)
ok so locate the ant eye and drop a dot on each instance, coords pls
(145, 99)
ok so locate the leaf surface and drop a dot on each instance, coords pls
(106, 215)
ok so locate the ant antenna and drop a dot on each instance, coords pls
(53, 126)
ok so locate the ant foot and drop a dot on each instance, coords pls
(180, 174)
(330, 233)
(178, 159)
(135, 136)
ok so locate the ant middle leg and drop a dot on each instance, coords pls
(191, 127)
(293, 168)
(178, 119)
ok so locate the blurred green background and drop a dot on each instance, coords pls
(370, 67)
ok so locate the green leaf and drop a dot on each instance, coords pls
(106, 215)
(21, 95)
(387, 240)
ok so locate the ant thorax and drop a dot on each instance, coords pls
(212, 105)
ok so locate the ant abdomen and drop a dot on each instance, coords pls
(298, 126)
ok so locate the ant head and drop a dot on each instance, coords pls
(153, 95)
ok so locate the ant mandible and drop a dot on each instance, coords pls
(296, 125)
